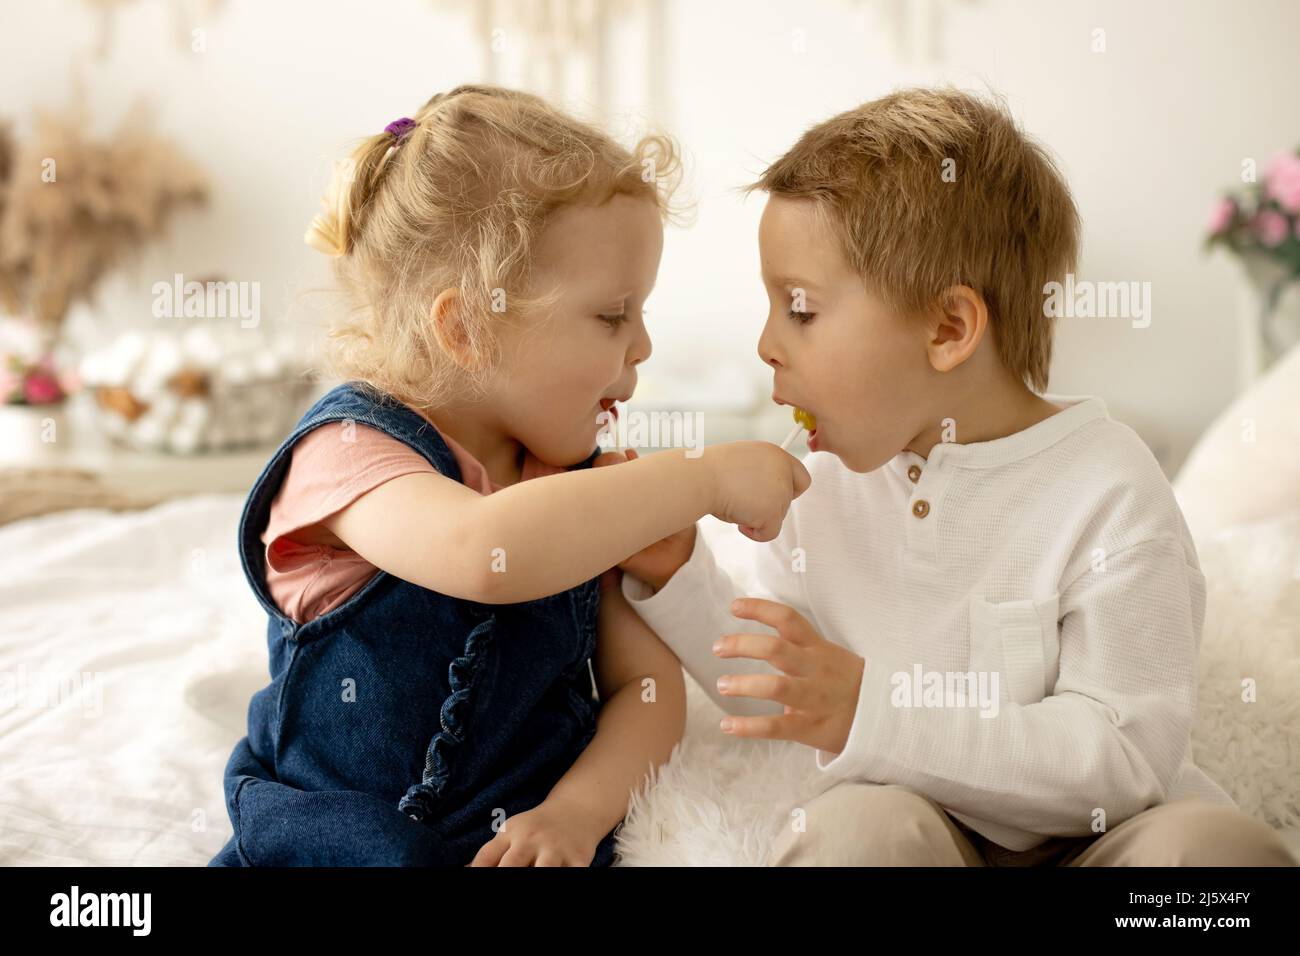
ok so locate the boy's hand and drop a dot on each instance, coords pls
(754, 483)
(819, 685)
(655, 563)
(547, 835)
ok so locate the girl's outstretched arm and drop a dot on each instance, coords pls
(546, 535)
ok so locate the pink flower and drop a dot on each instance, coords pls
(1271, 227)
(1282, 181)
(41, 388)
(1221, 215)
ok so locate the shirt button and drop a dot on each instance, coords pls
(914, 473)
(921, 508)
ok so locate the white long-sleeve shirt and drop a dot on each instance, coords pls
(1052, 565)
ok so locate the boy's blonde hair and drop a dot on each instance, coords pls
(1001, 221)
(457, 203)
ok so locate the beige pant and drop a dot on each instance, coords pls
(857, 824)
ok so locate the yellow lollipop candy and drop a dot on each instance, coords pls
(805, 420)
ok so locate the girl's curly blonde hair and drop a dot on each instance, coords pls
(456, 202)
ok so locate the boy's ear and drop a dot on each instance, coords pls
(449, 329)
(957, 327)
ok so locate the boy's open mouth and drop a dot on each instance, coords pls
(807, 418)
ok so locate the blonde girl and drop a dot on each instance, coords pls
(456, 678)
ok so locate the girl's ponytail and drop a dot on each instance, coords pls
(351, 187)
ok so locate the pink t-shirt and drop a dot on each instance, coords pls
(327, 472)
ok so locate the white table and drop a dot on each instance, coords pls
(69, 447)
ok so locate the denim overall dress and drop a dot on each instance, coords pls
(401, 725)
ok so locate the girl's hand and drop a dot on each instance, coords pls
(657, 562)
(547, 835)
(754, 483)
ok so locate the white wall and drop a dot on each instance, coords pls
(1148, 133)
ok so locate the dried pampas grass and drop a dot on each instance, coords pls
(72, 208)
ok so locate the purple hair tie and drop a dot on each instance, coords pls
(400, 127)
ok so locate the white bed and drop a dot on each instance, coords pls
(123, 766)
(130, 645)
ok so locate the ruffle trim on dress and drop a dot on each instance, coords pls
(421, 798)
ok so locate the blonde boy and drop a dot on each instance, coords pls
(984, 614)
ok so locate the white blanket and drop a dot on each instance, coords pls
(130, 645)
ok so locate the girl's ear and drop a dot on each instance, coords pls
(450, 331)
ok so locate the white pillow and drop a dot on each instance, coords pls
(1246, 466)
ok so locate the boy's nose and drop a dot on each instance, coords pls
(767, 350)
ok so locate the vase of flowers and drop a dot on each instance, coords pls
(1260, 226)
(32, 407)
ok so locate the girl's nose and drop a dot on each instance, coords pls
(640, 349)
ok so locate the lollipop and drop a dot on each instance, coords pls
(805, 420)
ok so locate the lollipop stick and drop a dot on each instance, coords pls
(789, 439)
